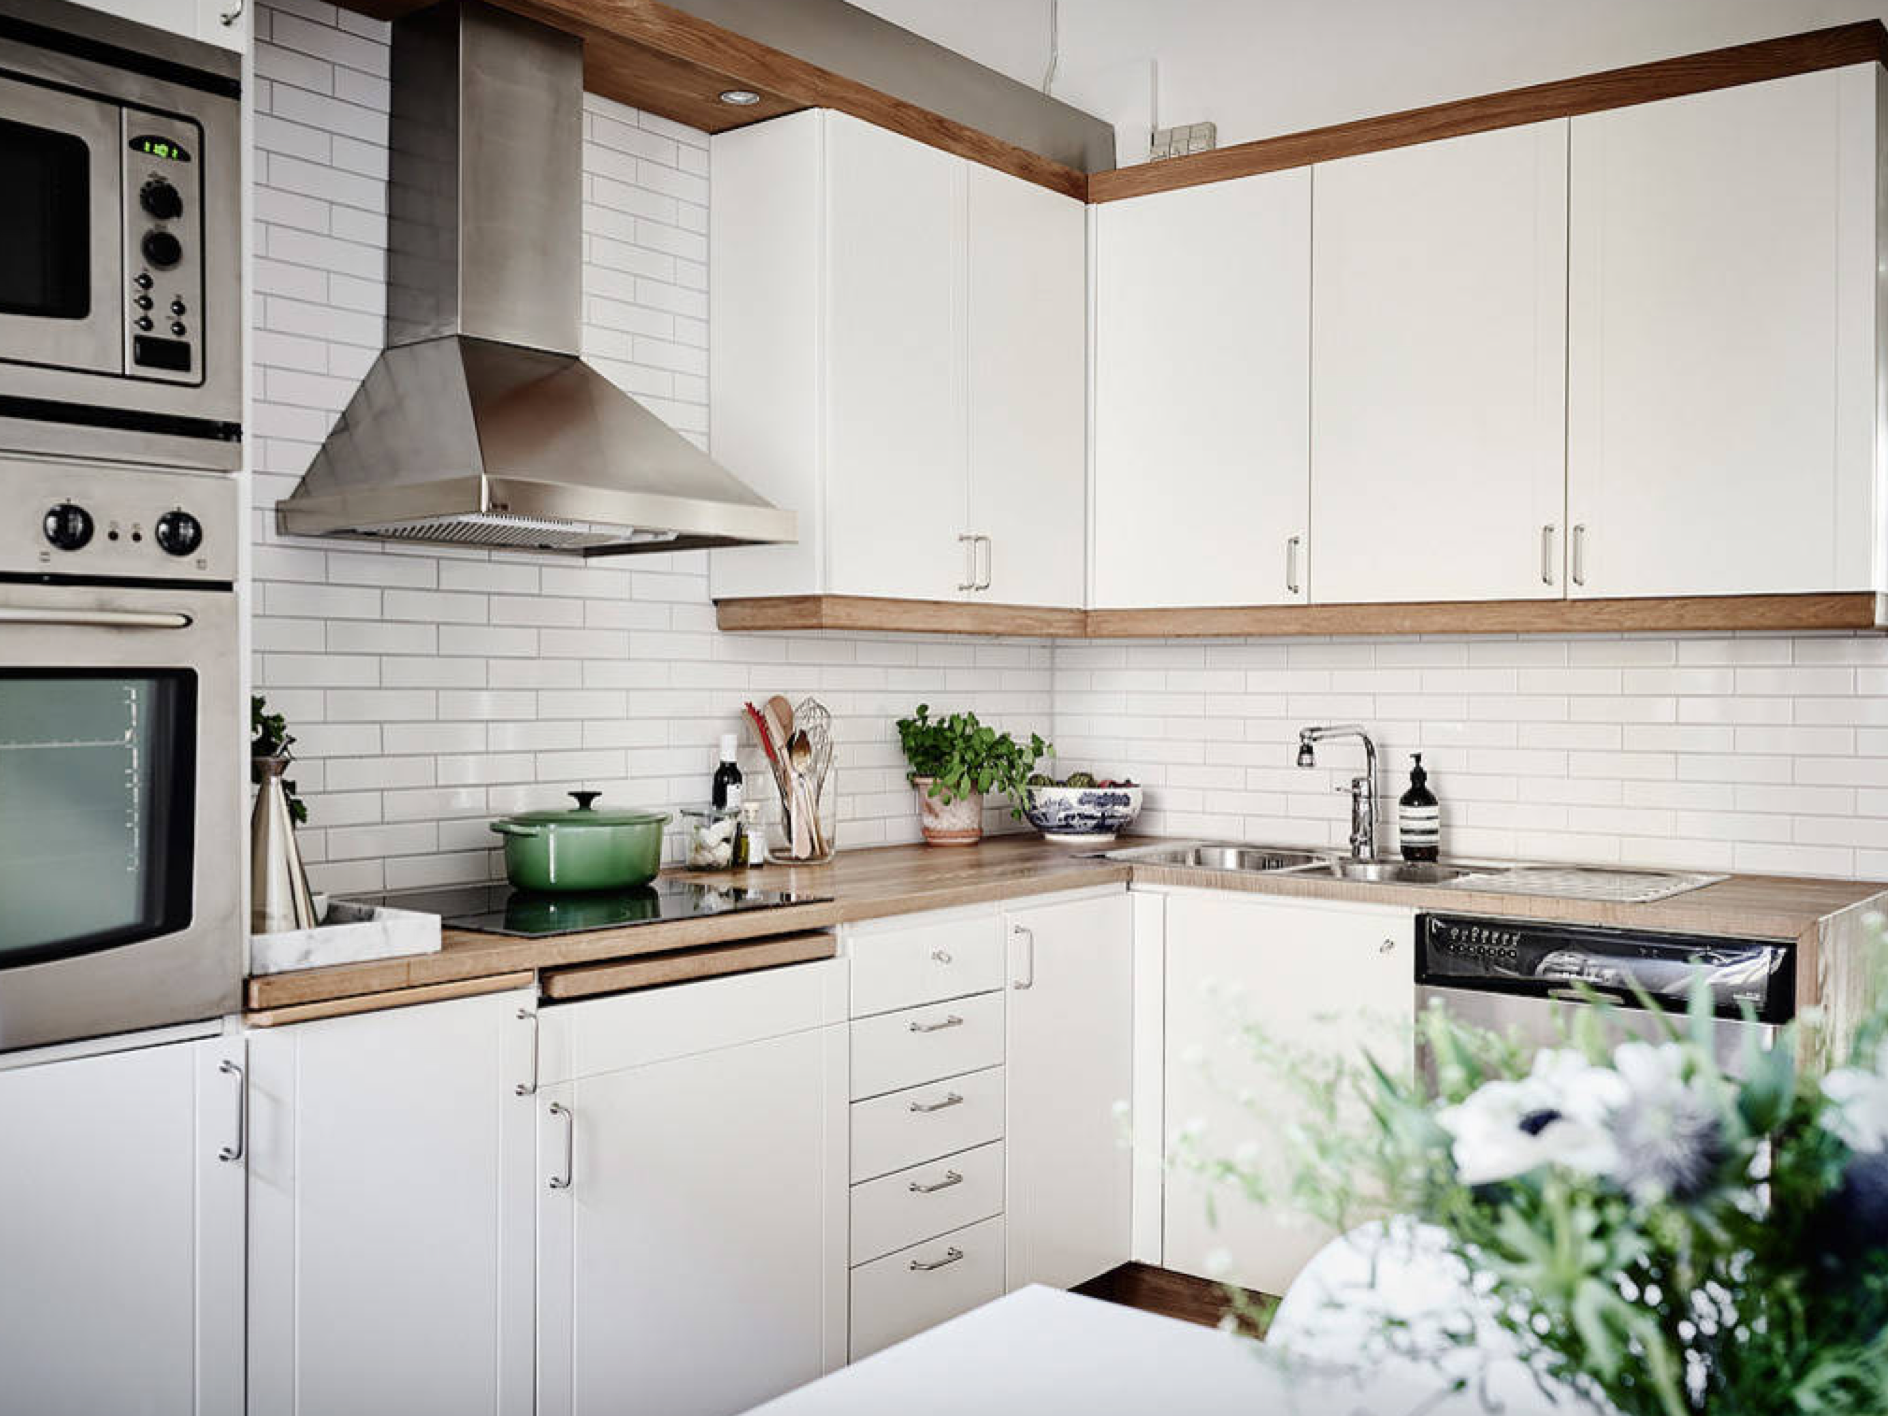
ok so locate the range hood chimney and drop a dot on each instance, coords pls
(479, 424)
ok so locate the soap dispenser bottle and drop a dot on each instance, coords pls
(1419, 816)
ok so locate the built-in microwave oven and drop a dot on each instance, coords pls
(120, 249)
(122, 738)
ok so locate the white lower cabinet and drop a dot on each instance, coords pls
(121, 1233)
(691, 1195)
(390, 1223)
(1069, 1061)
(1336, 978)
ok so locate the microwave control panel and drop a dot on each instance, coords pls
(163, 246)
(86, 521)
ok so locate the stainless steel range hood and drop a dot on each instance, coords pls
(479, 424)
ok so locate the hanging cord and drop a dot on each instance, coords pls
(1055, 44)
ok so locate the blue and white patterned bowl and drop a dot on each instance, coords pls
(1081, 815)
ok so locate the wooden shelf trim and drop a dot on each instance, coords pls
(1684, 614)
(1860, 43)
(858, 612)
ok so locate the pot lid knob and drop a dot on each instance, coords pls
(584, 799)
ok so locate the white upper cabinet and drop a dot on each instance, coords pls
(1438, 367)
(390, 1212)
(896, 480)
(224, 23)
(897, 349)
(1202, 330)
(1722, 359)
(121, 1233)
(1028, 284)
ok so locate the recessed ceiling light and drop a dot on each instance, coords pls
(740, 98)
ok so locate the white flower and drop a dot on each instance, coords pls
(1668, 1131)
(1860, 1103)
(1554, 1116)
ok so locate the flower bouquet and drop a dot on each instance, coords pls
(1644, 1230)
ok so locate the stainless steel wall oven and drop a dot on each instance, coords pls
(121, 732)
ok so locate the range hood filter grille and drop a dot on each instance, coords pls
(521, 532)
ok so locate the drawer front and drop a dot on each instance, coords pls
(909, 1206)
(919, 1287)
(921, 963)
(901, 1049)
(922, 1123)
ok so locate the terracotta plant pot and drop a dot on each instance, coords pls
(958, 822)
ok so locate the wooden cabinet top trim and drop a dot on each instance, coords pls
(1863, 42)
(1678, 614)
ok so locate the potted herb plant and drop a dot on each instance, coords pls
(954, 761)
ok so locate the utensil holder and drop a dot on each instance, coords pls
(807, 798)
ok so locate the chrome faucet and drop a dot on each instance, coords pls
(1363, 790)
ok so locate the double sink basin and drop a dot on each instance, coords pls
(1615, 884)
(1273, 860)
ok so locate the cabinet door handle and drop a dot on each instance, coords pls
(1292, 543)
(1028, 936)
(1547, 554)
(530, 1088)
(925, 1108)
(951, 1256)
(229, 17)
(1579, 555)
(237, 1151)
(562, 1182)
(969, 543)
(951, 1020)
(951, 1177)
(943, 956)
(1386, 946)
(989, 562)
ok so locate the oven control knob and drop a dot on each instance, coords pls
(161, 200)
(179, 533)
(161, 249)
(68, 527)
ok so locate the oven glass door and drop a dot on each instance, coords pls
(97, 808)
(61, 243)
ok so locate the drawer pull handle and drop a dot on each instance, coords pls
(951, 1177)
(943, 956)
(951, 1256)
(951, 1020)
(926, 1107)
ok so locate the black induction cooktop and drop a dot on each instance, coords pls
(522, 914)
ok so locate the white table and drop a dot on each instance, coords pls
(1042, 1352)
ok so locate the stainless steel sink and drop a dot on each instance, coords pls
(1395, 872)
(1216, 856)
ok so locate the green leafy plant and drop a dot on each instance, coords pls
(961, 756)
(269, 737)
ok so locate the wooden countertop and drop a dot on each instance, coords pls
(894, 880)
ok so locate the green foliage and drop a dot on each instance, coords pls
(961, 756)
(1762, 1291)
(269, 737)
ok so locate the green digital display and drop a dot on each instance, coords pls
(152, 146)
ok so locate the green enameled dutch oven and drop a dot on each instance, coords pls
(584, 849)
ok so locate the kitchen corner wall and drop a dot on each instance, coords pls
(433, 689)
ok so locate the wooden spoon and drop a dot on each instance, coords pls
(782, 713)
